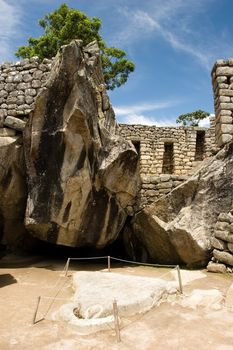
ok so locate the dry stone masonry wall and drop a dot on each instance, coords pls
(168, 155)
(222, 244)
(222, 80)
(20, 83)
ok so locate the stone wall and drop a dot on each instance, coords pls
(222, 80)
(168, 155)
(20, 83)
(222, 244)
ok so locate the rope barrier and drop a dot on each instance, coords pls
(141, 263)
(91, 258)
(53, 300)
(66, 267)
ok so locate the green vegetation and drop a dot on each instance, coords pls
(193, 118)
(66, 24)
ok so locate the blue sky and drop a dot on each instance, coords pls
(174, 44)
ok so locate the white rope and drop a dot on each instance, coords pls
(141, 263)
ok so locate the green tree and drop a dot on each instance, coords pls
(66, 24)
(193, 118)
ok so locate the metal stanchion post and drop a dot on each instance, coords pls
(37, 307)
(179, 278)
(109, 263)
(116, 321)
(67, 266)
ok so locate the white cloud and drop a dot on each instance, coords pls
(143, 120)
(143, 107)
(10, 15)
(173, 20)
(138, 119)
(135, 114)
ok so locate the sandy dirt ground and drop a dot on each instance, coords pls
(167, 326)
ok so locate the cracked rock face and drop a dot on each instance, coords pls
(82, 176)
(177, 229)
(13, 191)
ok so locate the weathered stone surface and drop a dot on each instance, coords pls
(224, 235)
(215, 267)
(230, 247)
(82, 176)
(227, 71)
(226, 217)
(15, 123)
(223, 139)
(13, 191)
(218, 244)
(178, 228)
(224, 257)
(5, 132)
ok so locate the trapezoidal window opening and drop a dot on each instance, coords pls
(168, 161)
(200, 145)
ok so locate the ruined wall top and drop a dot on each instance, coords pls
(20, 83)
(222, 80)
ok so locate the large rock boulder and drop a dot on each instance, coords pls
(177, 229)
(82, 177)
(13, 190)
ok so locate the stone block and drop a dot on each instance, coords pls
(5, 132)
(224, 99)
(224, 236)
(17, 78)
(37, 84)
(216, 267)
(230, 247)
(222, 226)
(221, 79)
(155, 179)
(224, 257)
(225, 119)
(226, 128)
(225, 217)
(223, 86)
(151, 193)
(218, 244)
(227, 71)
(223, 139)
(165, 177)
(15, 123)
(164, 185)
(225, 92)
(228, 105)
(164, 190)
(32, 92)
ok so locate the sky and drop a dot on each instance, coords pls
(173, 43)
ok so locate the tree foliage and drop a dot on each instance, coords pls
(66, 24)
(193, 118)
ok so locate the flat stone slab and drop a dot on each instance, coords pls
(96, 291)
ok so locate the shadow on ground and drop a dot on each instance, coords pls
(6, 279)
